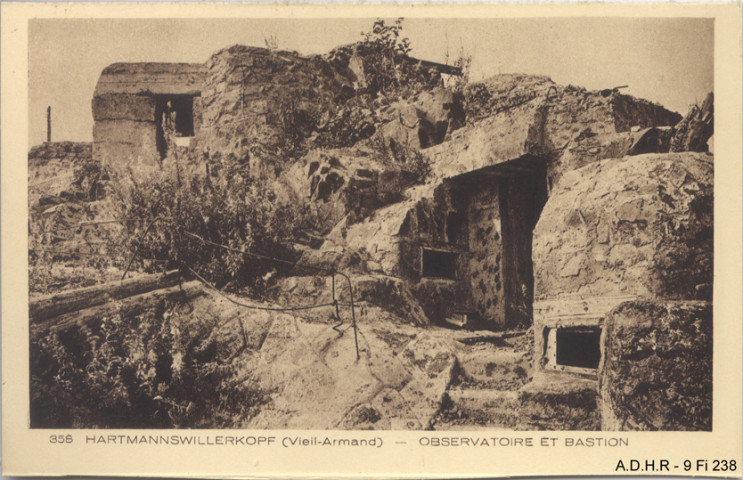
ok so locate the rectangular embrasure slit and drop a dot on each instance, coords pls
(578, 347)
(439, 264)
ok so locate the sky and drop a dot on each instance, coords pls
(665, 60)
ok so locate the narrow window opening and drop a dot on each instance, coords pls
(439, 264)
(182, 107)
(578, 347)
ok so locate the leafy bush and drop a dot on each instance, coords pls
(90, 178)
(226, 206)
(477, 101)
(387, 67)
(158, 369)
(387, 37)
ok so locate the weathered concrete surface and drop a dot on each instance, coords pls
(124, 144)
(422, 121)
(127, 128)
(638, 226)
(151, 78)
(657, 368)
(124, 106)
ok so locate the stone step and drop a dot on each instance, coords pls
(473, 409)
(495, 368)
(557, 401)
(551, 402)
(495, 361)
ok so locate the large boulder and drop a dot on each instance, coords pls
(260, 105)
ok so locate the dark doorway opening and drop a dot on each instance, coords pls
(174, 115)
(439, 264)
(502, 203)
(522, 196)
(578, 347)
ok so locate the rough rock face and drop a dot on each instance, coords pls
(637, 226)
(518, 115)
(260, 103)
(350, 182)
(423, 121)
(657, 372)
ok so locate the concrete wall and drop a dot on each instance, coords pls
(627, 245)
(127, 127)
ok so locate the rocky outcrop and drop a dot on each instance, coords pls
(512, 116)
(657, 370)
(348, 183)
(51, 172)
(422, 121)
(260, 105)
(47, 160)
(315, 379)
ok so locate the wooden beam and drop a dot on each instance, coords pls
(441, 67)
(50, 306)
(131, 305)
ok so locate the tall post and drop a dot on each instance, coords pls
(48, 124)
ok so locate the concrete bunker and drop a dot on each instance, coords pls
(474, 245)
(138, 108)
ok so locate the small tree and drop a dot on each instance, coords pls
(386, 62)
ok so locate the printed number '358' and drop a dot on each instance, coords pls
(60, 438)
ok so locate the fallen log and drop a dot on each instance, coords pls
(50, 306)
(131, 305)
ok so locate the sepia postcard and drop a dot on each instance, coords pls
(409, 241)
